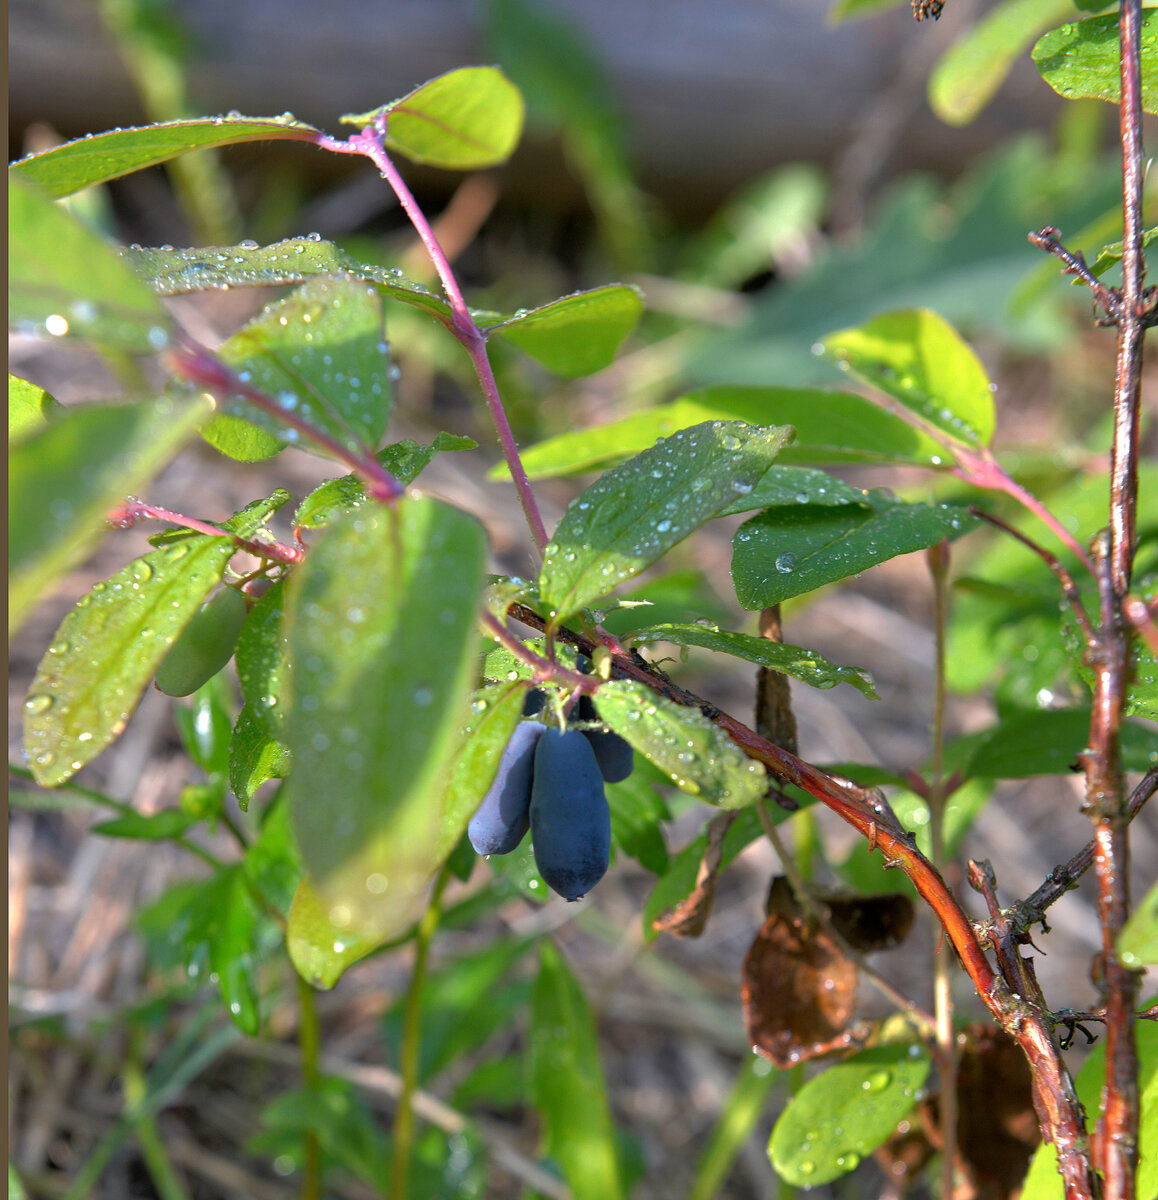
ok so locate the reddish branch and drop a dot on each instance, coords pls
(1116, 1142)
(1054, 1098)
(1115, 1145)
(866, 809)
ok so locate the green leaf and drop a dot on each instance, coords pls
(320, 950)
(261, 662)
(64, 279)
(272, 862)
(696, 755)
(322, 355)
(786, 486)
(381, 634)
(1044, 1182)
(64, 479)
(636, 512)
(976, 64)
(578, 334)
(744, 1108)
(842, 10)
(215, 925)
(29, 408)
(1047, 742)
(920, 360)
(293, 261)
(805, 665)
(463, 120)
(786, 552)
(405, 460)
(846, 1112)
(1138, 941)
(1109, 256)
(108, 648)
(494, 715)
(1081, 59)
(158, 826)
(100, 157)
(464, 1003)
(637, 812)
(567, 1085)
(338, 1120)
(254, 757)
(830, 427)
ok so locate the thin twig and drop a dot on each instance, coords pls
(1107, 298)
(1116, 1143)
(132, 511)
(938, 793)
(462, 323)
(981, 469)
(193, 362)
(1064, 878)
(1054, 1098)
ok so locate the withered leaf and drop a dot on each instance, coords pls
(997, 1131)
(798, 988)
(690, 916)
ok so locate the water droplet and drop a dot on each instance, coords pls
(38, 704)
(786, 563)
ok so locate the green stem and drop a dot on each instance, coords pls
(309, 1038)
(412, 1043)
(938, 558)
(164, 1176)
(125, 810)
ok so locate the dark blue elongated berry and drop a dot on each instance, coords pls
(534, 701)
(570, 820)
(504, 814)
(613, 754)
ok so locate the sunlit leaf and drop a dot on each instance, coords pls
(976, 64)
(578, 334)
(805, 665)
(295, 260)
(463, 120)
(29, 408)
(100, 157)
(830, 427)
(320, 950)
(381, 621)
(66, 280)
(636, 512)
(322, 355)
(696, 755)
(64, 479)
(845, 1112)
(1082, 59)
(786, 552)
(108, 648)
(920, 360)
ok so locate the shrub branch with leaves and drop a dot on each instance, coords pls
(357, 655)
